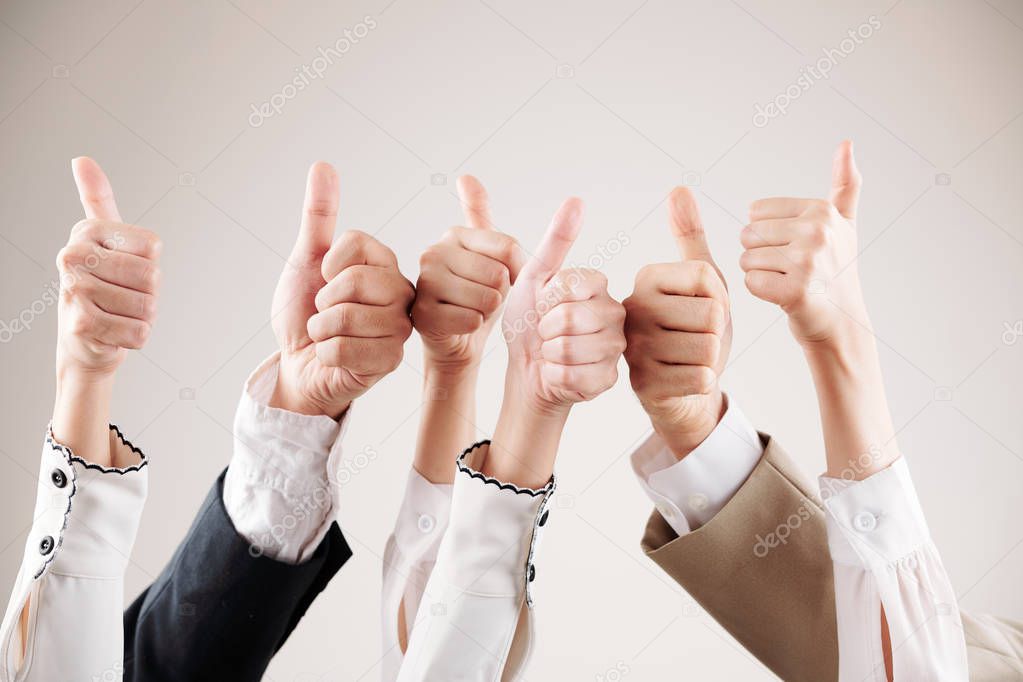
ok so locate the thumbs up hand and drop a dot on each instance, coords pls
(340, 311)
(565, 336)
(109, 276)
(463, 280)
(564, 331)
(679, 333)
(800, 254)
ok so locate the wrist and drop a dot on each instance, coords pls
(848, 354)
(74, 375)
(449, 374)
(526, 439)
(286, 396)
(686, 422)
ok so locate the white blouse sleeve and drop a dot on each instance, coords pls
(476, 617)
(883, 555)
(72, 572)
(409, 559)
(280, 489)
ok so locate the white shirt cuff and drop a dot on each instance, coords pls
(689, 492)
(883, 555)
(277, 490)
(474, 622)
(86, 519)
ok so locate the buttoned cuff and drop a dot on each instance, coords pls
(278, 490)
(874, 522)
(86, 519)
(86, 515)
(496, 529)
(689, 492)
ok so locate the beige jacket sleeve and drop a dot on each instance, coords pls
(762, 569)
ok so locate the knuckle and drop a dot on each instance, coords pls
(817, 235)
(430, 257)
(343, 317)
(83, 324)
(86, 228)
(150, 276)
(490, 300)
(707, 349)
(139, 334)
(65, 258)
(353, 282)
(147, 306)
(509, 248)
(703, 380)
(704, 271)
(716, 316)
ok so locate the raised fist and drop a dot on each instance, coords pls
(109, 276)
(564, 331)
(463, 280)
(679, 332)
(801, 255)
(340, 312)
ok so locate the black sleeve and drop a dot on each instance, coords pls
(217, 612)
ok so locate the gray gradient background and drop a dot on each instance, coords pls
(650, 94)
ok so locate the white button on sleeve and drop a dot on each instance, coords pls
(883, 554)
(72, 572)
(408, 562)
(479, 622)
(690, 492)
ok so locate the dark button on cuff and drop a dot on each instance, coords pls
(532, 573)
(46, 545)
(58, 478)
(543, 519)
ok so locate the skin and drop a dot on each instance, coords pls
(110, 279)
(565, 335)
(463, 281)
(794, 248)
(801, 255)
(340, 310)
(679, 332)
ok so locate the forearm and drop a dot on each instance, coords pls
(525, 442)
(859, 437)
(81, 415)
(446, 425)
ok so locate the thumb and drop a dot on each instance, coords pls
(687, 226)
(94, 190)
(556, 242)
(319, 215)
(475, 203)
(845, 180)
